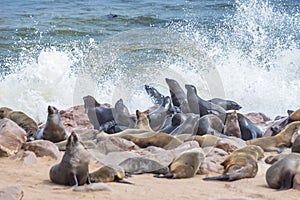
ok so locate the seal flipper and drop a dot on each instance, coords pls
(75, 180)
(223, 177)
(287, 180)
(167, 175)
(118, 180)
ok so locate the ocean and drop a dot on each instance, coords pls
(54, 52)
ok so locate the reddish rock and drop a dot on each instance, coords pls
(12, 137)
(257, 118)
(43, 148)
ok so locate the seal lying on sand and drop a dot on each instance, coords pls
(23, 120)
(108, 174)
(281, 174)
(74, 167)
(273, 143)
(54, 129)
(242, 163)
(185, 164)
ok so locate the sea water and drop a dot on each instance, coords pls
(54, 52)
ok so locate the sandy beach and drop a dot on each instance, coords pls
(34, 181)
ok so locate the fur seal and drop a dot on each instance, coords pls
(23, 120)
(241, 163)
(273, 143)
(281, 174)
(157, 117)
(226, 104)
(74, 167)
(199, 105)
(185, 165)
(178, 96)
(189, 125)
(122, 116)
(142, 121)
(108, 174)
(232, 127)
(296, 145)
(101, 117)
(210, 124)
(54, 129)
(156, 97)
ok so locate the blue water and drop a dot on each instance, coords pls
(57, 51)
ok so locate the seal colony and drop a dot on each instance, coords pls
(180, 136)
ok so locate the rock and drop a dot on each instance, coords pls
(112, 144)
(296, 182)
(12, 137)
(11, 193)
(29, 158)
(43, 148)
(257, 118)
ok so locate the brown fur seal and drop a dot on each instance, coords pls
(178, 96)
(108, 174)
(273, 143)
(199, 105)
(226, 104)
(156, 97)
(242, 163)
(74, 167)
(122, 116)
(189, 125)
(54, 129)
(232, 127)
(296, 145)
(157, 139)
(23, 120)
(281, 174)
(210, 124)
(142, 121)
(185, 164)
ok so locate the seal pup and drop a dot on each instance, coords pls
(232, 127)
(282, 139)
(199, 105)
(23, 120)
(156, 97)
(241, 163)
(73, 169)
(142, 121)
(54, 129)
(108, 174)
(281, 174)
(226, 104)
(185, 165)
(122, 116)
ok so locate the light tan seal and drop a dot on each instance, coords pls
(108, 174)
(73, 169)
(54, 129)
(242, 163)
(23, 120)
(282, 139)
(185, 164)
(232, 127)
(281, 174)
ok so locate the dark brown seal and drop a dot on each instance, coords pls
(74, 167)
(108, 174)
(54, 129)
(281, 174)
(242, 163)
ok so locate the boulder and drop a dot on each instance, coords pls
(12, 137)
(43, 148)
